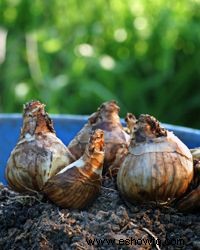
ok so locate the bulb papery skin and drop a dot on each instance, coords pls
(116, 139)
(157, 167)
(38, 155)
(190, 201)
(78, 184)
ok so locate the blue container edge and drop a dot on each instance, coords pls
(67, 126)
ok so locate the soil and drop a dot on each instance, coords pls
(33, 222)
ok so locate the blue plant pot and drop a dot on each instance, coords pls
(66, 127)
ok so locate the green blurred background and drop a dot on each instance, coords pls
(75, 54)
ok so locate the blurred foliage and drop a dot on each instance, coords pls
(73, 55)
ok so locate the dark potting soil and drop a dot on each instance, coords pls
(33, 222)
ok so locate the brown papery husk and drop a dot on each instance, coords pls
(116, 139)
(190, 201)
(39, 154)
(78, 185)
(158, 165)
